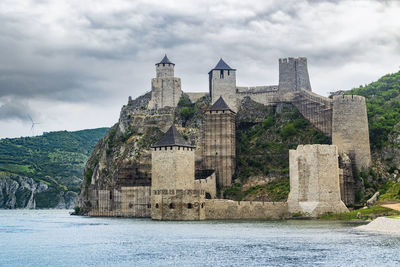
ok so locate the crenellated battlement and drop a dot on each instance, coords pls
(349, 98)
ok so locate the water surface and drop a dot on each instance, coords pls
(53, 238)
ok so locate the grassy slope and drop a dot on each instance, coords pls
(55, 158)
(263, 150)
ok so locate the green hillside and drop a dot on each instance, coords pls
(383, 108)
(55, 158)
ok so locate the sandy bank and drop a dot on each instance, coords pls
(383, 225)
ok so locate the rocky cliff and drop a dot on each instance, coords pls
(22, 192)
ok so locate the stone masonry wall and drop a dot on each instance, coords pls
(350, 128)
(125, 202)
(165, 92)
(208, 185)
(314, 180)
(223, 209)
(315, 108)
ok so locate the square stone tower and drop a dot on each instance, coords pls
(219, 142)
(165, 88)
(314, 180)
(222, 82)
(172, 186)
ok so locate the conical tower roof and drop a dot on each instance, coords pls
(165, 60)
(220, 104)
(221, 65)
(172, 138)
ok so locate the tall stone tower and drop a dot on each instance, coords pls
(222, 82)
(219, 142)
(293, 75)
(165, 88)
(350, 128)
(173, 172)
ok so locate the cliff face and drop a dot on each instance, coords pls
(21, 192)
(123, 157)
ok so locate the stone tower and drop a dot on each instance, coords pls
(165, 88)
(350, 129)
(222, 82)
(219, 142)
(314, 180)
(173, 172)
(293, 75)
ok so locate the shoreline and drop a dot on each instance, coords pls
(387, 225)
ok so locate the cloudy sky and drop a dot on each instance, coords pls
(71, 64)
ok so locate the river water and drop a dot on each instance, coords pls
(54, 238)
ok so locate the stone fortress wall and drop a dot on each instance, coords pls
(343, 119)
(317, 182)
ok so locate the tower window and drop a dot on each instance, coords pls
(221, 75)
(189, 205)
(156, 205)
(171, 206)
(228, 72)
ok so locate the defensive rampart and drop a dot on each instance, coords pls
(223, 209)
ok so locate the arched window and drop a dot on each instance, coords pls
(149, 206)
(171, 206)
(189, 205)
(221, 75)
(156, 205)
(208, 195)
(202, 205)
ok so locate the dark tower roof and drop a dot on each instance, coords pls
(172, 138)
(165, 60)
(220, 104)
(221, 65)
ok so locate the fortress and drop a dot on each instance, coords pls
(321, 176)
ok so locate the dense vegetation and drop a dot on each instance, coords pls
(383, 107)
(263, 150)
(55, 158)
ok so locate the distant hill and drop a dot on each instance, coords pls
(55, 159)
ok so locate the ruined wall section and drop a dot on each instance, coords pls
(223, 209)
(316, 109)
(208, 185)
(347, 181)
(131, 202)
(219, 145)
(267, 95)
(350, 129)
(314, 180)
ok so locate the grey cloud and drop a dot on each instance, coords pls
(12, 109)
